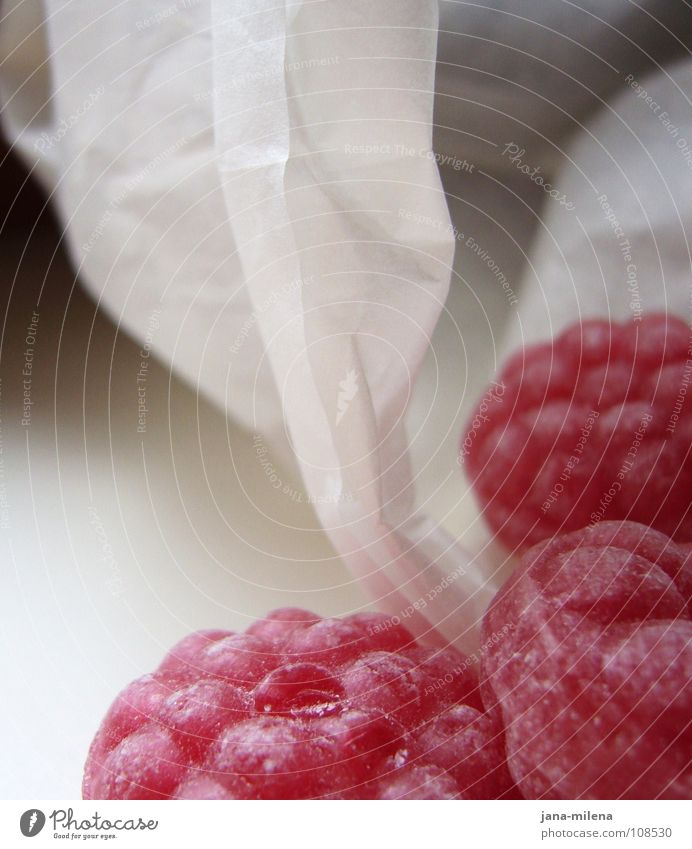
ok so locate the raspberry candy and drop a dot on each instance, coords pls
(591, 671)
(301, 707)
(593, 426)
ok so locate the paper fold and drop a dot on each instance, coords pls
(328, 171)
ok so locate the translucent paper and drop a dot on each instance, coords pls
(251, 189)
(328, 171)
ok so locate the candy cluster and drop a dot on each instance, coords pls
(581, 457)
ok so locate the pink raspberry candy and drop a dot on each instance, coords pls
(595, 425)
(591, 669)
(301, 707)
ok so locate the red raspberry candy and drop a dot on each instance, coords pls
(301, 707)
(591, 672)
(596, 425)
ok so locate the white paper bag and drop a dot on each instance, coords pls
(244, 185)
(251, 189)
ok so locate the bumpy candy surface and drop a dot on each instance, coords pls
(301, 707)
(592, 675)
(594, 426)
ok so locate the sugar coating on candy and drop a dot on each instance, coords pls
(301, 707)
(592, 675)
(594, 426)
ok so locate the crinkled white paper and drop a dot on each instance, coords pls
(249, 180)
